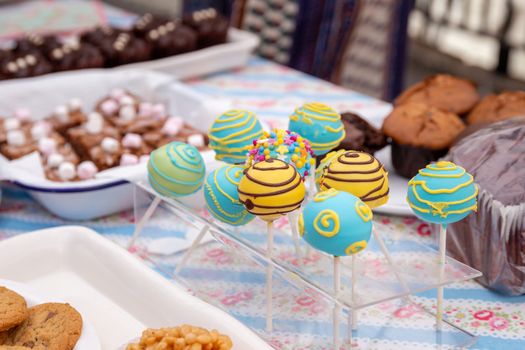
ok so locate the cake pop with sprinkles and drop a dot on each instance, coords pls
(284, 145)
(232, 133)
(176, 169)
(320, 124)
(271, 188)
(358, 173)
(442, 193)
(222, 198)
(336, 222)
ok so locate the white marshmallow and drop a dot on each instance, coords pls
(110, 145)
(47, 145)
(22, 114)
(16, 138)
(39, 130)
(117, 93)
(132, 140)
(75, 104)
(54, 160)
(62, 113)
(127, 113)
(11, 124)
(66, 171)
(128, 159)
(87, 170)
(196, 140)
(126, 100)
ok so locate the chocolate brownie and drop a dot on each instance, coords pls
(67, 116)
(175, 129)
(420, 134)
(446, 92)
(360, 135)
(210, 25)
(493, 108)
(171, 38)
(123, 49)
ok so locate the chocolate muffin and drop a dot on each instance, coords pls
(442, 91)
(493, 107)
(420, 134)
(123, 49)
(493, 239)
(145, 23)
(170, 39)
(360, 135)
(23, 66)
(211, 27)
(100, 34)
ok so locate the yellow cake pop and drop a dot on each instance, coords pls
(358, 173)
(271, 188)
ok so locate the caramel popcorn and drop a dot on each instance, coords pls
(185, 337)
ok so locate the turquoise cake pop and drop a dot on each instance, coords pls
(232, 133)
(336, 222)
(442, 193)
(176, 169)
(222, 198)
(320, 124)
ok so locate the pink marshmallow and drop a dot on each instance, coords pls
(172, 126)
(109, 107)
(47, 145)
(22, 114)
(159, 111)
(132, 140)
(86, 170)
(145, 110)
(128, 159)
(144, 158)
(117, 94)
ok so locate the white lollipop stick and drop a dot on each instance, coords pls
(292, 220)
(442, 260)
(337, 308)
(388, 257)
(354, 291)
(140, 225)
(190, 251)
(269, 277)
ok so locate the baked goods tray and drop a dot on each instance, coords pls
(228, 270)
(72, 200)
(234, 53)
(116, 292)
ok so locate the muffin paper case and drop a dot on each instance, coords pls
(492, 239)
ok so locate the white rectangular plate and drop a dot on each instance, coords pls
(119, 294)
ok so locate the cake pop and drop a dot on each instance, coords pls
(222, 199)
(320, 124)
(358, 173)
(270, 189)
(285, 145)
(176, 169)
(232, 133)
(442, 193)
(337, 223)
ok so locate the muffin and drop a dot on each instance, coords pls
(36, 44)
(171, 38)
(420, 134)
(360, 135)
(493, 107)
(124, 48)
(210, 25)
(493, 239)
(442, 91)
(145, 23)
(75, 56)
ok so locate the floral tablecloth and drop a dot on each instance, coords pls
(272, 91)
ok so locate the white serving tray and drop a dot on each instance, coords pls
(88, 339)
(119, 294)
(234, 53)
(41, 94)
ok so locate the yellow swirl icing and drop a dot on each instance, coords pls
(355, 247)
(324, 218)
(364, 211)
(423, 185)
(322, 196)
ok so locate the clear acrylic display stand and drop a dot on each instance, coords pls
(384, 283)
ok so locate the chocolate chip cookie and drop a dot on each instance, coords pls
(13, 309)
(51, 326)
